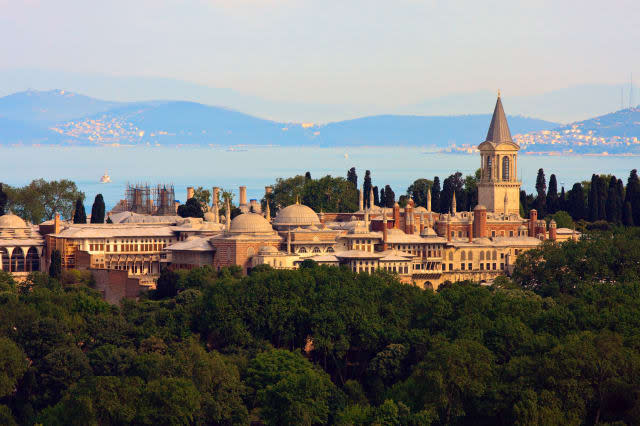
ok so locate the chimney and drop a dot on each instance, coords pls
(268, 190)
(57, 224)
(361, 200)
(553, 236)
(175, 206)
(228, 213)
(267, 212)
(243, 195)
(190, 192)
(429, 199)
(533, 219)
(216, 209)
(384, 231)
(396, 216)
(371, 204)
(480, 221)
(454, 207)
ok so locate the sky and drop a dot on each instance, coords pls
(379, 54)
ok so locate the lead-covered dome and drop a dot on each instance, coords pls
(250, 223)
(296, 215)
(12, 221)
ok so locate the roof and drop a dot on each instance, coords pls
(296, 215)
(499, 128)
(111, 231)
(250, 223)
(10, 220)
(358, 254)
(191, 244)
(131, 217)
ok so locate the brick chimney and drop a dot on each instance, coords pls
(553, 236)
(190, 193)
(396, 216)
(533, 220)
(243, 195)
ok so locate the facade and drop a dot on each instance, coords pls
(21, 246)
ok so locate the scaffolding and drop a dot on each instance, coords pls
(164, 200)
(138, 198)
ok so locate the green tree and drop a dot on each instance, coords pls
(202, 195)
(366, 186)
(352, 177)
(389, 197)
(192, 208)
(98, 210)
(435, 195)
(553, 200)
(169, 401)
(3, 200)
(13, 364)
(55, 268)
(79, 215)
(289, 389)
(41, 200)
(167, 285)
(632, 195)
(575, 202)
(418, 191)
(541, 188)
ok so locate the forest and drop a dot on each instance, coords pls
(557, 343)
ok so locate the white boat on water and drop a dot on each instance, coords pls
(105, 178)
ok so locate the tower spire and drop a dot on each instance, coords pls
(499, 128)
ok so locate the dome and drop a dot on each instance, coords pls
(267, 250)
(12, 221)
(479, 207)
(298, 215)
(209, 217)
(250, 223)
(420, 209)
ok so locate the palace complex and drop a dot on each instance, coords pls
(421, 246)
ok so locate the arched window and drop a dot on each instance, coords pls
(450, 255)
(17, 260)
(481, 255)
(250, 252)
(302, 250)
(330, 250)
(5, 259)
(317, 250)
(489, 167)
(470, 255)
(505, 168)
(463, 256)
(33, 260)
(488, 255)
(495, 255)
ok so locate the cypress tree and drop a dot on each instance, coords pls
(383, 200)
(562, 200)
(79, 216)
(446, 196)
(552, 195)
(352, 177)
(614, 204)
(376, 197)
(366, 187)
(3, 200)
(55, 269)
(307, 176)
(575, 202)
(632, 195)
(593, 198)
(525, 207)
(389, 196)
(435, 194)
(97, 210)
(602, 199)
(627, 218)
(541, 188)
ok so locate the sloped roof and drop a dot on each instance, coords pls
(499, 128)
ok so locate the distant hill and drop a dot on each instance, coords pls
(64, 117)
(624, 123)
(51, 106)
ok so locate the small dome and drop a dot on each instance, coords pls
(522, 228)
(553, 223)
(209, 217)
(420, 209)
(296, 215)
(267, 250)
(479, 207)
(250, 223)
(12, 221)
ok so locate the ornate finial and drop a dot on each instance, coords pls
(498, 92)
(297, 199)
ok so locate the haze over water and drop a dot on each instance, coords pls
(257, 167)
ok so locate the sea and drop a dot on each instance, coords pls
(260, 166)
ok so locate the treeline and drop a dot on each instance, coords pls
(41, 199)
(323, 345)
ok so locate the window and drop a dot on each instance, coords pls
(330, 250)
(493, 233)
(463, 256)
(505, 168)
(489, 167)
(470, 266)
(317, 250)
(302, 250)
(511, 233)
(462, 266)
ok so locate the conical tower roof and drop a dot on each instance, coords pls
(499, 128)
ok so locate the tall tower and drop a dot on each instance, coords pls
(499, 188)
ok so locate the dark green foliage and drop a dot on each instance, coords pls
(192, 208)
(575, 202)
(55, 268)
(79, 215)
(435, 194)
(97, 210)
(3, 200)
(541, 196)
(167, 285)
(376, 196)
(553, 200)
(326, 194)
(366, 186)
(41, 200)
(352, 177)
(418, 191)
(389, 197)
(109, 220)
(632, 195)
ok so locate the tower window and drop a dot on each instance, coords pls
(489, 167)
(505, 168)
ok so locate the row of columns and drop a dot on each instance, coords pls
(15, 264)
(496, 167)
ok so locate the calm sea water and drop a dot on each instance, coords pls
(257, 167)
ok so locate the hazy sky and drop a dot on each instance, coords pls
(384, 53)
